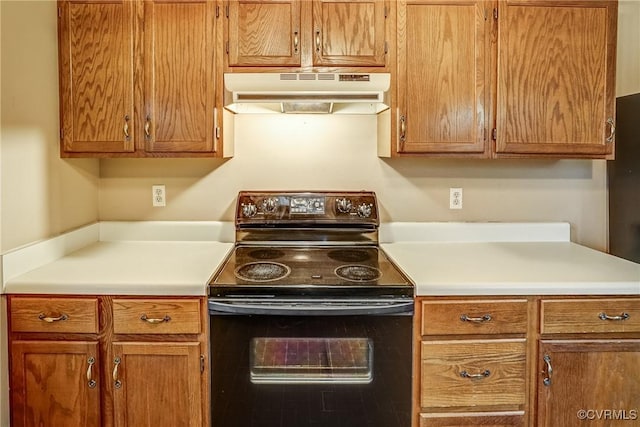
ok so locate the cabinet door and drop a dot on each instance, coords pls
(556, 77)
(443, 76)
(597, 382)
(96, 76)
(55, 384)
(179, 76)
(157, 384)
(349, 33)
(264, 32)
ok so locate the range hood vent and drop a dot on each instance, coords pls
(307, 93)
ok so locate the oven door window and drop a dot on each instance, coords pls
(311, 360)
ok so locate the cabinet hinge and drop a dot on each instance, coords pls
(494, 134)
(226, 10)
(226, 47)
(201, 363)
(386, 11)
(386, 47)
(61, 134)
(59, 12)
(217, 12)
(495, 13)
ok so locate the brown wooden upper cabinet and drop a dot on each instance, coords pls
(306, 34)
(134, 87)
(508, 78)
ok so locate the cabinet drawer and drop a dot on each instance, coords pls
(71, 315)
(473, 373)
(492, 419)
(474, 317)
(576, 316)
(151, 316)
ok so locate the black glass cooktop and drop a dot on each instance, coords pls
(339, 270)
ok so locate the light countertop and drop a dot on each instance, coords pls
(513, 268)
(127, 268)
(179, 258)
(122, 258)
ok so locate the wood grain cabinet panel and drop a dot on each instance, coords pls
(156, 384)
(264, 32)
(178, 74)
(579, 316)
(96, 76)
(65, 315)
(55, 383)
(156, 316)
(301, 34)
(459, 317)
(593, 382)
(349, 33)
(556, 77)
(443, 77)
(473, 374)
(138, 78)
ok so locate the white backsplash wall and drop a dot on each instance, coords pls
(323, 152)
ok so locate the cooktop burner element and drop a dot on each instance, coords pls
(349, 255)
(264, 254)
(358, 273)
(262, 271)
(319, 244)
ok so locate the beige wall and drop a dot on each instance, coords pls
(338, 152)
(40, 194)
(628, 78)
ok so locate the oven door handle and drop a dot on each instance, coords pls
(311, 308)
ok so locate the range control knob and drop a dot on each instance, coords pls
(343, 205)
(270, 205)
(249, 210)
(364, 210)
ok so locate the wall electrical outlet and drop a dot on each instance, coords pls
(159, 195)
(455, 198)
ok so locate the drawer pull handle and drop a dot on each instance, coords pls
(483, 374)
(152, 320)
(485, 318)
(90, 381)
(623, 316)
(549, 370)
(48, 319)
(116, 381)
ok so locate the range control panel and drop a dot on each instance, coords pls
(256, 208)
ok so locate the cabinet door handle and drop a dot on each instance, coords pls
(612, 127)
(90, 381)
(623, 316)
(485, 318)
(483, 374)
(403, 128)
(548, 370)
(296, 41)
(116, 382)
(49, 319)
(144, 318)
(147, 127)
(125, 129)
(318, 41)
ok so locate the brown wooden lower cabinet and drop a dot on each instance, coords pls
(69, 369)
(149, 378)
(594, 382)
(55, 383)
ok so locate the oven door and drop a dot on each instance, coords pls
(303, 364)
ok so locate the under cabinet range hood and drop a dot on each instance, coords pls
(339, 93)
